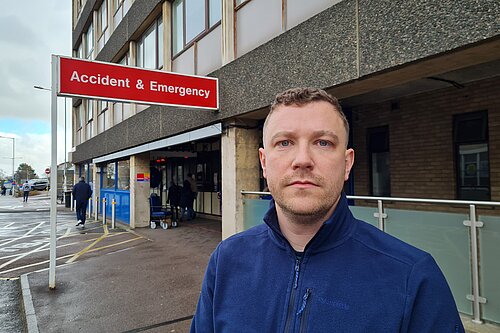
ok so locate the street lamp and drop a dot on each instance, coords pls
(65, 152)
(13, 156)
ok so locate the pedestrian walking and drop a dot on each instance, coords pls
(82, 192)
(312, 266)
(194, 191)
(173, 199)
(26, 191)
(186, 201)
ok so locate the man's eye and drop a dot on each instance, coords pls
(284, 143)
(323, 143)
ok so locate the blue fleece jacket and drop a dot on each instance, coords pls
(350, 278)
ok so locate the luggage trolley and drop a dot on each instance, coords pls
(158, 213)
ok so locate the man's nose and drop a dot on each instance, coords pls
(303, 157)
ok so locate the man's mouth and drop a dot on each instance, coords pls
(302, 184)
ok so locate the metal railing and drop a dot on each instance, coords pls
(472, 223)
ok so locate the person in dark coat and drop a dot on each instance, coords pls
(173, 199)
(186, 201)
(81, 194)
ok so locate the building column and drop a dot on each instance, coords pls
(139, 191)
(228, 26)
(96, 190)
(240, 171)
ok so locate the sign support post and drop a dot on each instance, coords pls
(53, 179)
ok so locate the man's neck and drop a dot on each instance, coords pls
(296, 230)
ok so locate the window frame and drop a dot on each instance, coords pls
(140, 49)
(208, 29)
(371, 131)
(483, 138)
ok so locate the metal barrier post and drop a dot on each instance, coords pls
(475, 297)
(72, 203)
(380, 215)
(103, 211)
(96, 208)
(113, 205)
(89, 208)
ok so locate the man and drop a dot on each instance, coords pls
(312, 267)
(173, 199)
(26, 191)
(81, 194)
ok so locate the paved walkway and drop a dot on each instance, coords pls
(150, 287)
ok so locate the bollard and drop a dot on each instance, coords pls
(113, 205)
(89, 208)
(96, 208)
(103, 211)
(72, 203)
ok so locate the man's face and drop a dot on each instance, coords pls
(304, 158)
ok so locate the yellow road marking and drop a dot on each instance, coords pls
(67, 256)
(82, 252)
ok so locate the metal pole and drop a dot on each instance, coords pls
(89, 210)
(103, 211)
(381, 224)
(72, 202)
(475, 264)
(113, 206)
(53, 179)
(13, 157)
(96, 208)
(65, 151)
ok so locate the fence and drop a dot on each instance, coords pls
(466, 246)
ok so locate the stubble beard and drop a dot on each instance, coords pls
(308, 206)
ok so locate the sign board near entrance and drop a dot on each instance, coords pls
(99, 80)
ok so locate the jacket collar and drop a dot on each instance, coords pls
(334, 231)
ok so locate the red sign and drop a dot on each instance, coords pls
(47, 171)
(109, 81)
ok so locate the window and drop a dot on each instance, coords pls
(124, 175)
(101, 117)
(102, 25)
(79, 52)
(239, 2)
(379, 158)
(90, 116)
(470, 134)
(149, 49)
(191, 19)
(89, 47)
(108, 175)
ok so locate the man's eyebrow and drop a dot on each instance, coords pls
(282, 134)
(331, 134)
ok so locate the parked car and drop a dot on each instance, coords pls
(39, 184)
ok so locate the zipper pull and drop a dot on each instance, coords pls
(304, 301)
(297, 267)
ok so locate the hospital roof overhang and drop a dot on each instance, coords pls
(201, 133)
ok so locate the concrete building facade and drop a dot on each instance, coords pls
(418, 80)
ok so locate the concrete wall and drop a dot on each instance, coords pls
(350, 41)
(139, 191)
(240, 171)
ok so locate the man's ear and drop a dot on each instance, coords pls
(349, 162)
(262, 158)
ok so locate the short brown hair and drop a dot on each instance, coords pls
(306, 95)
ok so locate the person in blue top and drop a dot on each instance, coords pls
(312, 266)
(82, 192)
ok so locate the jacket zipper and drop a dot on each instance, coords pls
(289, 315)
(304, 310)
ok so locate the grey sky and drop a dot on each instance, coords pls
(30, 31)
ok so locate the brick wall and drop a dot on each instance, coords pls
(421, 139)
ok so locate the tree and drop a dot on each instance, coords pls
(24, 172)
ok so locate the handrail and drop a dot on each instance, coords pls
(419, 200)
(473, 224)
